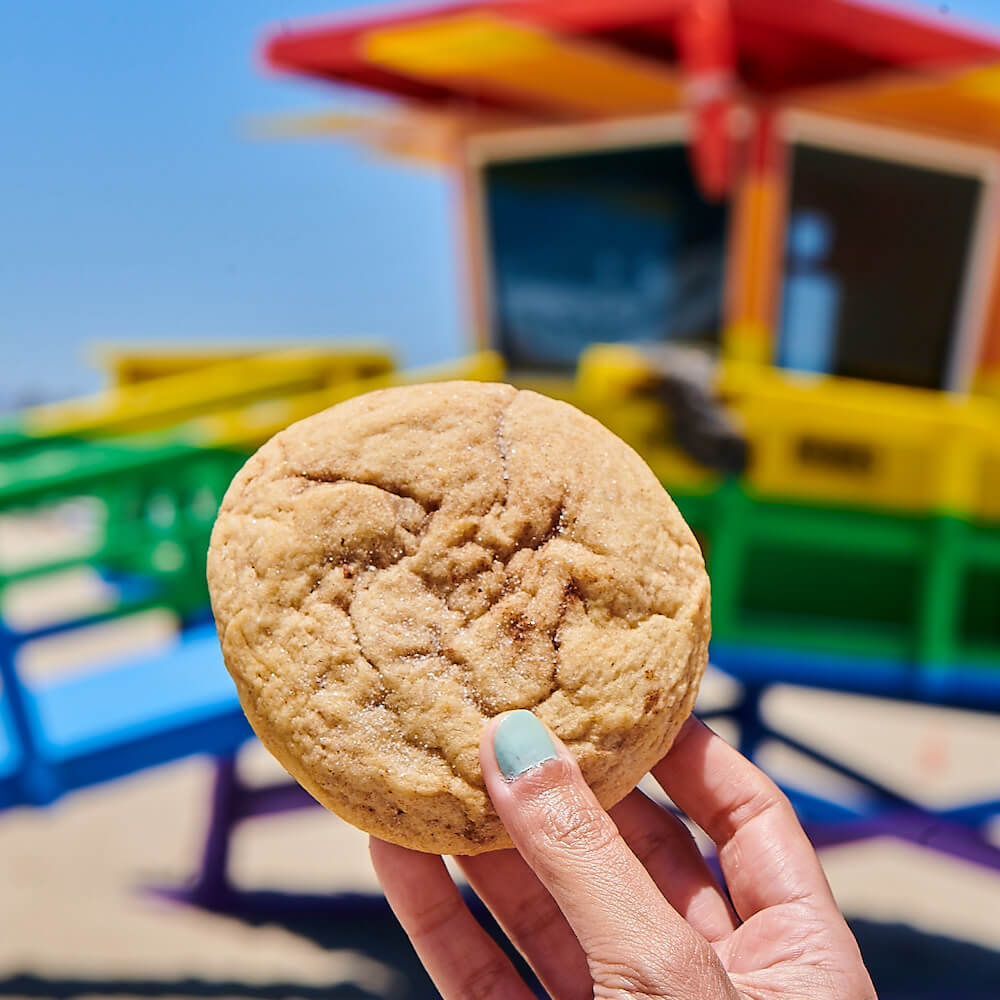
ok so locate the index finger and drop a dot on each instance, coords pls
(763, 851)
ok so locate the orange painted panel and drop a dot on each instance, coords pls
(757, 241)
(964, 106)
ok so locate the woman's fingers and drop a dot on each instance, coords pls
(763, 851)
(534, 923)
(461, 958)
(669, 853)
(529, 916)
(634, 940)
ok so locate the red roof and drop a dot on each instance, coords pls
(779, 44)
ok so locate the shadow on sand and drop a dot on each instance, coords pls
(906, 964)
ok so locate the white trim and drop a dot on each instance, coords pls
(700, 88)
(476, 229)
(886, 143)
(546, 140)
(945, 156)
(973, 302)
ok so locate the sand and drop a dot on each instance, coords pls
(76, 916)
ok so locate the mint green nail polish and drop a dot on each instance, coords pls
(520, 743)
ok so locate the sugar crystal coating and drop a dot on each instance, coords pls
(391, 573)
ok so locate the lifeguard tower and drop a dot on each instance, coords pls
(759, 241)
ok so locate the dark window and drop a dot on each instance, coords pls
(605, 246)
(875, 259)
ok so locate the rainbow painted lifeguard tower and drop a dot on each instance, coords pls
(758, 240)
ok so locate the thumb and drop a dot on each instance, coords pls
(634, 940)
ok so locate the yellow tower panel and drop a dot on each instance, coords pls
(519, 60)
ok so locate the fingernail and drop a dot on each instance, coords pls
(520, 743)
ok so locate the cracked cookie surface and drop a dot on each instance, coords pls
(390, 573)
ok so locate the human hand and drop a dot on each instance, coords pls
(624, 906)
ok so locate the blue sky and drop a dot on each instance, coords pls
(133, 207)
